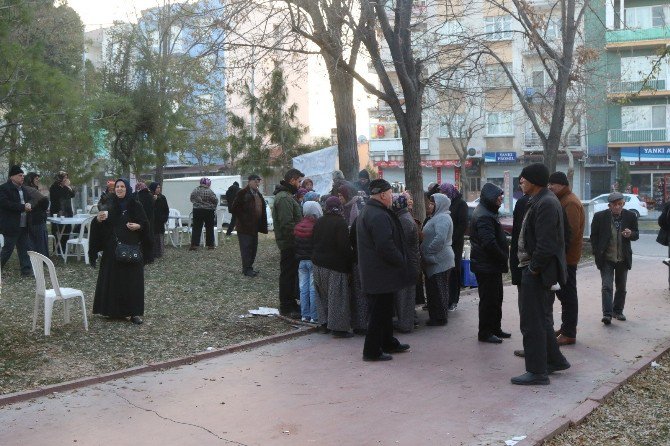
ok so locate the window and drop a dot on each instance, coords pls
(644, 118)
(648, 17)
(496, 75)
(659, 16)
(499, 28)
(457, 122)
(553, 29)
(539, 79)
(499, 124)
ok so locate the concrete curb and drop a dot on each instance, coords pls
(16, 397)
(597, 398)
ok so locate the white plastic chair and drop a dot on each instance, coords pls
(2, 240)
(175, 228)
(81, 241)
(49, 296)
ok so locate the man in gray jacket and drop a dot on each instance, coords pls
(384, 270)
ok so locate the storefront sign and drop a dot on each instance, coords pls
(500, 157)
(661, 153)
(425, 163)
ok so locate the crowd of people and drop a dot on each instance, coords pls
(356, 260)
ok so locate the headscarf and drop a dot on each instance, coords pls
(301, 193)
(311, 196)
(399, 202)
(333, 206)
(348, 191)
(122, 203)
(153, 186)
(140, 186)
(312, 208)
(204, 181)
(449, 190)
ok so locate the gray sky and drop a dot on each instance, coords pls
(96, 13)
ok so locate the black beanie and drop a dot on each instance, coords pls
(536, 173)
(559, 178)
(378, 186)
(15, 170)
(364, 174)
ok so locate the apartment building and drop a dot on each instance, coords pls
(629, 129)
(479, 100)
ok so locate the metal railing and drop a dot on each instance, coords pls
(531, 139)
(636, 86)
(636, 35)
(634, 136)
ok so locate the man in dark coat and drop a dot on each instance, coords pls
(248, 209)
(15, 211)
(231, 193)
(146, 199)
(384, 269)
(363, 183)
(541, 252)
(60, 196)
(488, 260)
(612, 230)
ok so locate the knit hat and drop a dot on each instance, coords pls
(364, 174)
(153, 186)
(204, 181)
(15, 170)
(536, 173)
(399, 202)
(449, 190)
(559, 178)
(140, 186)
(311, 196)
(312, 208)
(378, 186)
(614, 196)
(333, 206)
(338, 175)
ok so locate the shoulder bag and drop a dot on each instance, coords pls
(128, 252)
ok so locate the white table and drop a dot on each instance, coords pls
(62, 223)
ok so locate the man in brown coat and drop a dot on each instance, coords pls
(251, 218)
(559, 185)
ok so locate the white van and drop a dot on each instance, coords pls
(178, 194)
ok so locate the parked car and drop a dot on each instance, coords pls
(506, 219)
(632, 203)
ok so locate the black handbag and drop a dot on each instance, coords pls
(662, 237)
(128, 253)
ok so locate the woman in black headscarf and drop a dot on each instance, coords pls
(119, 292)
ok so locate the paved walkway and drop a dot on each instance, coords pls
(448, 390)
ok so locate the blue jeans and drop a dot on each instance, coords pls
(308, 296)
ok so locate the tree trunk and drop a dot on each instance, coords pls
(342, 90)
(160, 167)
(410, 131)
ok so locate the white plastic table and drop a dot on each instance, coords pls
(62, 223)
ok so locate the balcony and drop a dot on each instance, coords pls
(393, 146)
(620, 136)
(637, 38)
(652, 87)
(531, 139)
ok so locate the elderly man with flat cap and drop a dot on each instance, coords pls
(384, 269)
(14, 220)
(248, 209)
(612, 230)
(541, 251)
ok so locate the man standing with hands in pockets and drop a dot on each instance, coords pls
(14, 210)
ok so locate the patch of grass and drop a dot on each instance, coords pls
(193, 300)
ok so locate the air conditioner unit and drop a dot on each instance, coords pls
(475, 153)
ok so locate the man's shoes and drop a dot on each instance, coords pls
(493, 339)
(342, 334)
(551, 368)
(136, 320)
(324, 329)
(557, 333)
(210, 247)
(452, 307)
(398, 348)
(520, 353)
(27, 275)
(192, 248)
(666, 261)
(503, 335)
(381, 357)
(435, 323)
(251, 273)
(606, 320)
(531, 379)
(619, 317)
(565, 340)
